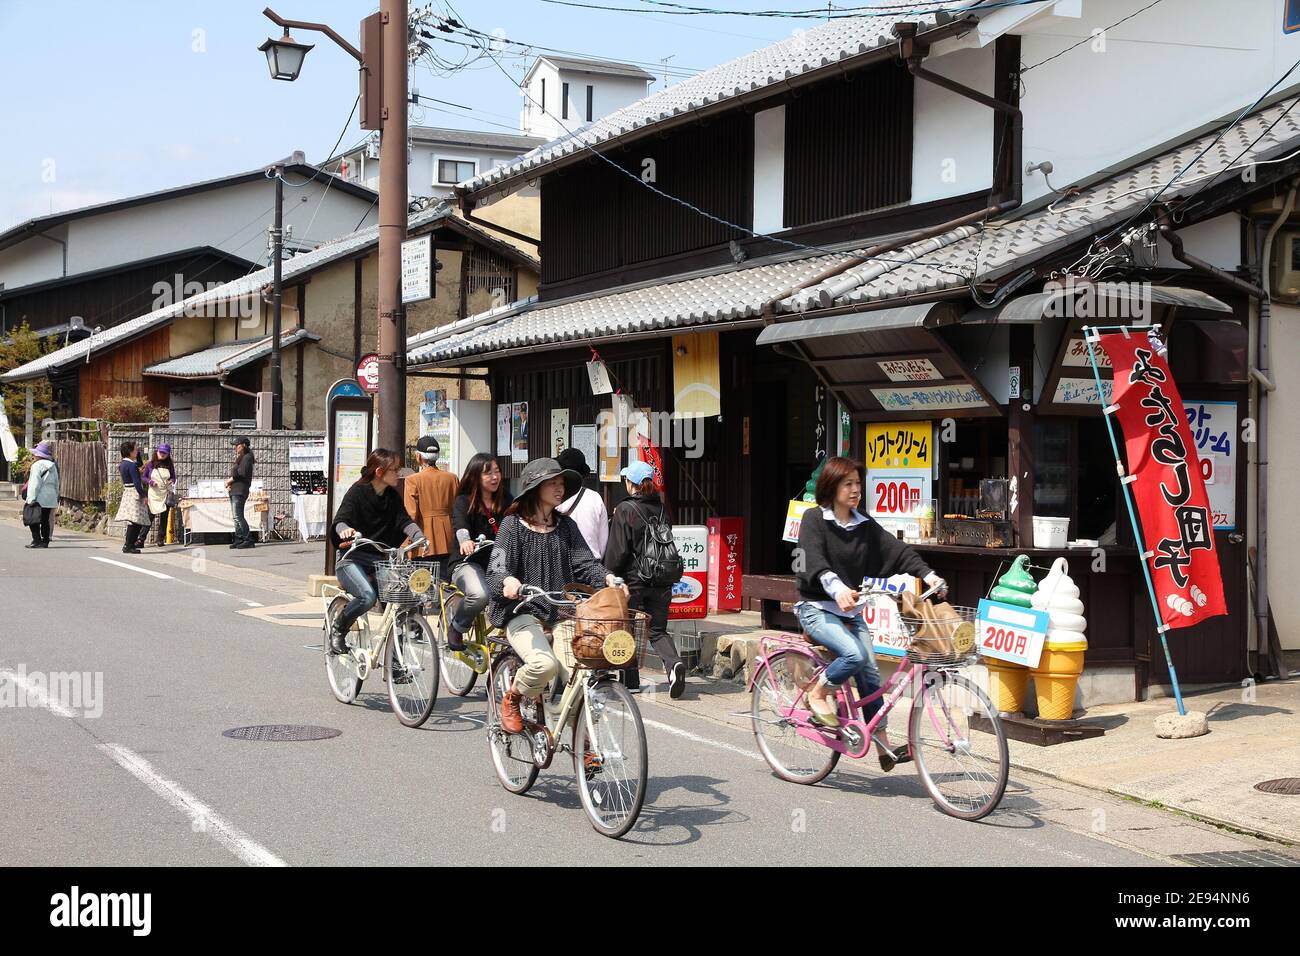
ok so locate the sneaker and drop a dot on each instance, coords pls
(677, 680)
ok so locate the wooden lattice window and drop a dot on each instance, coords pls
(488, 272)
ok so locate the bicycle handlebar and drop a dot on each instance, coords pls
(528, 594)
(358, 542)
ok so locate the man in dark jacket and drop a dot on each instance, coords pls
(238, 484)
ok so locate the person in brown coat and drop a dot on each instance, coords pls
(430, 494)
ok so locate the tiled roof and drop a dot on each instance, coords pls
(250, 284)
(214, 361)
(814, 49)
(473, 137)
(585, 65)
(736, 295)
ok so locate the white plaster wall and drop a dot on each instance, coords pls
(1217, 241)
(34, 260)
(1283, 466)
(769, 170)
(952, 152)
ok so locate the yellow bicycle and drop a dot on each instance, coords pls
(460, 669)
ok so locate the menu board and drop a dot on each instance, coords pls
(1214, 429)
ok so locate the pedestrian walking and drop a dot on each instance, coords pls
(238, 485)
(641, 551)
(42, 495)
(159, 478)
(429, 495)
(586, 507)
(134, 506)
(477, 513)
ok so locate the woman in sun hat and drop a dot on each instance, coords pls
(43, 492)
(537, 546)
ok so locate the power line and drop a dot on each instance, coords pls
(841, 13)
(1026, 69)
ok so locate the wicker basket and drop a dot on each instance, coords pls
(946, 639)
(602, 644)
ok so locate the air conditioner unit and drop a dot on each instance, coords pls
(265, 403)
(1285, 266)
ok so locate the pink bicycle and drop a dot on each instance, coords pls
(956, 739)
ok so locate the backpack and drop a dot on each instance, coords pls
(658, 564)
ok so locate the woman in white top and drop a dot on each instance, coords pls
(587, 507)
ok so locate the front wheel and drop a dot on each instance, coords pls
(411, 660)
(512, 754)
(777, 685)
(340, 668)
(609, 757)
(959, 745)
(457, 674)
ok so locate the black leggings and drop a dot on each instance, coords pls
(147, 529)
(41, 532)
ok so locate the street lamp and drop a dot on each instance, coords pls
(284, 56)
(383, 65)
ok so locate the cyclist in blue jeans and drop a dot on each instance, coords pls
(839, 547)
(372, 509)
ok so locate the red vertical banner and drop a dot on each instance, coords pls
(726, 544)
(1167, 487)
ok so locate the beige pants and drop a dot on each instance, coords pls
(528, 637)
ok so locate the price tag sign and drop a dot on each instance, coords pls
(888, 635)
(1010, 633)
(794, 518)
(897, 494)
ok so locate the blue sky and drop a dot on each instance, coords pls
(105, 100)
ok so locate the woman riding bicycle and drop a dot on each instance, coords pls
(372, 509)
(840, 547)
(477, 513)
(538, 547)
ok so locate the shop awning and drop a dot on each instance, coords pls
(1106, 302)
(888, 361)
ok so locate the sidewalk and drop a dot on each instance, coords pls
(1211, 778)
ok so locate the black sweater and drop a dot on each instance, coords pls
(475, 523)
(866, 551)
(627, 534)
(381, 518)
(241, 474)
(550, 560)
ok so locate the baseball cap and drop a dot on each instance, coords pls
(428, 445)
(638, 472)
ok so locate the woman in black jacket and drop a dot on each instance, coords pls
(134, 506)
(623, 554)
(477, 512)
(372, 509)
(839, 547)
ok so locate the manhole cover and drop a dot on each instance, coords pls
(1284, 786)
(279, 733)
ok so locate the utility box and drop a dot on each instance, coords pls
(265, 405)
(471, 432)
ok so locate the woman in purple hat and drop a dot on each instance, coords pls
(159, 478)
(43, 492)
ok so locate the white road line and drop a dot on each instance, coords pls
(215, 591)
(37, 695)
(132, 567)
(202, 817)
(251, 603)
(669, 728)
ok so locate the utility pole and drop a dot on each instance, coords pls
(392, 228)
(277, 295)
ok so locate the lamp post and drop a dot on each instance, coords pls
(382, 58)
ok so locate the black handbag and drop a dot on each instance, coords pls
(32, 514)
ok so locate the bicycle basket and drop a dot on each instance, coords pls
(602, 643)
(395, 579)
(942, 635)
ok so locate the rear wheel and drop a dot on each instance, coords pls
(959, 745)
(609, 757)
(340, 668)
(777, 686)
(512, 754)
(457, 674)
(411, 660)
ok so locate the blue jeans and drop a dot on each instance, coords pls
(850, 641)
(468, 576)
(241, 532)
(357, 577)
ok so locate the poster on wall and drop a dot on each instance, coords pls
(349, 451)
(896, 445)
(584, 439)
(519, 432)
(559, 431)
(435, 418)
(503, 429)
(1214, 430)
(610, 448)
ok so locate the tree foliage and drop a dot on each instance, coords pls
(20, 347)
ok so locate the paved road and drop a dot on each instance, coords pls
(151, 780)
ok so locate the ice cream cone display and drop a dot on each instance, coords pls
(1008, 682)
(1059, 668)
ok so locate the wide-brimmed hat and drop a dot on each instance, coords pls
(574, 460)
(43, 450)
(544, 469)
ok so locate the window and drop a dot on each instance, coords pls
(564, 102)
(452, 171)
(486, 271)
(590, 89)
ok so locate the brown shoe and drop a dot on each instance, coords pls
(512, 722)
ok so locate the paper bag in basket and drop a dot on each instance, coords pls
(603, 614)
(942, 634)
